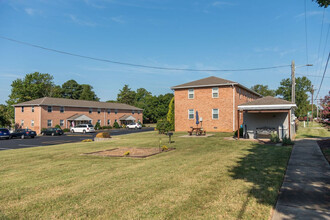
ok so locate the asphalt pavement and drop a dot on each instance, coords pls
(40, 141)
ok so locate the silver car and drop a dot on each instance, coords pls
(83, 128)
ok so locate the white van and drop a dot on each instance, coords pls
(84, 128)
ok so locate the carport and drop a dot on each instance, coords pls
(127, 119)
(263, 116)
(78, 119)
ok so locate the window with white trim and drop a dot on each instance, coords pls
(116, 111)
(62, 109)
(90, 111)
(32, 109)
(239, 92)
(98, 111)
(32, 123)
(109, 111)
(61, 122)
(191, 93)
(99, 121)
(50, 108)
(215, 92)
(108, 122)
(22, 109)
(133, 112)
(22, 123)
(49, 123)
(191, 114)
(215, 113)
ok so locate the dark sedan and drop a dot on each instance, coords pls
(52, 131)
(4, 133)
(24, 133)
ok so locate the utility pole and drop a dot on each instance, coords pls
(317, 109)
(312, 103)
(293, 81)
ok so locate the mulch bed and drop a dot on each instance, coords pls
(133, 152)
(325, 146)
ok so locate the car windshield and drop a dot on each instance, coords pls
(3, 130)
(90, 126)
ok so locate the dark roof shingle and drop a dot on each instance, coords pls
(268, 100)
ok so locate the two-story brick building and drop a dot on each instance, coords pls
(48, 112)
(216, 101)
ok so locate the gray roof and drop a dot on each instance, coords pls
(211, 82)
(268, 100)
(47, 101)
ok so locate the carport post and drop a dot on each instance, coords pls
(238, 112)
(289, 120)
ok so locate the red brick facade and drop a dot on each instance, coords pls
(229, 97)
(39, 118)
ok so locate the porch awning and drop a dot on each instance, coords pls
(78, 117)
(267, 103)
(127, 118)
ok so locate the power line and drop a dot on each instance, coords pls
(319, 48)
(138, 65)
(306, 34)
(310, 75)
(325, 70)
(323, 54)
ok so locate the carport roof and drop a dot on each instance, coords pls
(267, 103)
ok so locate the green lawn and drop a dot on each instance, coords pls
(204, 178)
(313, 130)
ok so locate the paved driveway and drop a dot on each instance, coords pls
(53, 140)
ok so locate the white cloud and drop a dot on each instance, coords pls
(221, 3)
(118, 19)
(310, 13)
(30, 11)
(82, 22)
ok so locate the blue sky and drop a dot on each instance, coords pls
(206, 34)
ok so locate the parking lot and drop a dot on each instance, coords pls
(40, 141)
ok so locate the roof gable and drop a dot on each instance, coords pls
(209, 81)
(268, 100)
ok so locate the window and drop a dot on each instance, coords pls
(191, 114)
(239, 92)
(133, 112)
(61, 109)
(50, 108)
(61, 122)
(49, 123)
(115, 120)
(32, 123)
(90, 110)
(99, 121)
(215, 92)
(139, 112)
(22, 109)
(190, 93)
(116, 111)
(109, 111)
(215, 113)
(108, 122)
(32, 109)
(22, 123)
(98, 111)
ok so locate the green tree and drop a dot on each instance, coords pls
(170, 115)
(126, 95)
(5, 119)
(71, 89)
(263, 90)
(87, 93)
(303, 86)
(323, 3)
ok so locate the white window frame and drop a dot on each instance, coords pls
(51, 123)
(32, 123)
(49, 107)
(22, 122)
(61, 122)
(133, 112)
(239, 92)
(62, 109)
(98, 111)
(193, 114)
(108, 122)
(99, 121)
(215, 90)
(109, 111)
(90, 110)
(22, 109)
(191, 92)
(116, 111)
(215, 113)
(32, 108)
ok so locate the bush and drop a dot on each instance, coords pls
(87, 140)
(274, 137)
(106, 127)
(163, 126)
(43, 129)
(126, 153)
(103, 135)
(97, 126)
(164, 148)
(66, 130)
(116, 125)
(123, 126)
(287, 141)
(57, 126)
(143, 125)
(240, 132)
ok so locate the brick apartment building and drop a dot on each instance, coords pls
(48, 112)
(216, 101)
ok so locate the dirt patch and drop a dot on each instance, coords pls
(133, 152)
(325, 147)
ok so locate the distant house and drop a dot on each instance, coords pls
(216, 101)
(266, 115)
(48, 112)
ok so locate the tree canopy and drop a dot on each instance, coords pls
(263, 90)
(322, 3)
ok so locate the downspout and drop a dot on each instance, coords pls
(233, 107)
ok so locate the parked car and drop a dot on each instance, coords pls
(134, 126)
(52, 131)
(4, 133)
(24, 133)
(84, 128)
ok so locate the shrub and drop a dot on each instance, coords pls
(240, 132)
(143, 125)
(164, 148)
(123, 126)
(43, 129)
(116, 125)
(97, 126)
(103, 135)
(163, 126)
(87, 140)
(274, 137)
(287, 141)
(126, 153)
(57, 126)
(66, 130)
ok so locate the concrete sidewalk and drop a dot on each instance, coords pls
(305, 193)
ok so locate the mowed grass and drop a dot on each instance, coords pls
(204, 178)
(313, 130)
